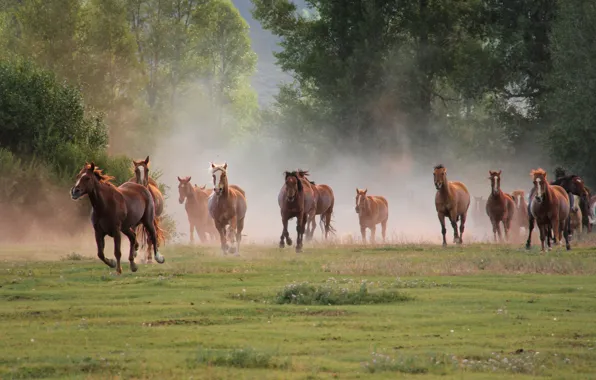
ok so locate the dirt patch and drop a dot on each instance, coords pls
(325, 313)
(187, 322)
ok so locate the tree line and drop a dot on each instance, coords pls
(494, 78)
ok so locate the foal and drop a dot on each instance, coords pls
(196, 209)
(499, 206)
(452, 200)
(371, 210)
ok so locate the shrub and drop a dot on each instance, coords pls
(239, 357)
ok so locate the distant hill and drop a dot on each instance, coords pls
(268, 75)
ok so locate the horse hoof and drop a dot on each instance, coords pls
(112, 263)
(135, 254)
(289, 242)
(282, 245)
(133, 266)
(298, 249)
(160, 259)
(568, 246)
(528, 246)
(444, 245)
(232, 250)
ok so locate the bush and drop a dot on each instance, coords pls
(239, 357)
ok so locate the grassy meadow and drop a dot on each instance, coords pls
(475, 312)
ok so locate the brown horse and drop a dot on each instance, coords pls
(292, 204)
(324, 207)
(371, 210)
(227, 206)
(500, 207)
(549, 205)
(141, 170)
(311, 210)
(520, 217)
(117, 210)
(196, 209)
(452, 201)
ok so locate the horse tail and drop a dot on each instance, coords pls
(159, 232)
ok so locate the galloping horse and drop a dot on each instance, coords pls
(293, 202)
(324, 207)
(311, 211)
(227, 206)
(371, 210)
(573, 184)
(116, 210)
(141, 170)
(196, 209)
(452, 200)
(499, 206)
(520, 217)
(549, 207)
(575, 216)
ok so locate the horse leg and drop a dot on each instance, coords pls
(100, 240)
(300, 227)
(530, 229)
(239, 228)
(373, 231)
(383, 229)
(132, 238)
(462, 227)
(443, 229)
(192, 233)
(201, 233)
(284, 222)
(363, 233)
(117, 252)
(232, 232)
(453, 219)
(150, 229)
(495, 225)
(327, 222)
(565, 228)
(543, 231)
(221, 228)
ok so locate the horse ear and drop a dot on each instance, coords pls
(366, 190)
(147, 160)
(203, 187)
(212, 165)
(92, 166)
(179, 179)
(225, 166)
(500, 171)
(357, 192)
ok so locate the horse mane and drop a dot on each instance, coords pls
(295, 175)
(439, 166)
(303, 173)
(538, 171)
(99, 174)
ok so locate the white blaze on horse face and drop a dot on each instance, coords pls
(217, 179)
(495, 184)
(141, 171)
(538, 186)
(79, 181)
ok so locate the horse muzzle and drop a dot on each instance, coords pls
(218, 191)
(180, 200)
(357, 210)
(291, 199)
(538, 199)
(438, 186)
(75, 194)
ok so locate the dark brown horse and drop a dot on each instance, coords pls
(500, 207)
(227, 206)
(291, 200)
(549, 207)
(371, 210)
(452, 201)
(196, 209)
(311, 210)
(117, 210)
(325, 202)
(574, 184)
(520, 218)
(141, 170)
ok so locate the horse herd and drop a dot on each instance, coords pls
(135, 207)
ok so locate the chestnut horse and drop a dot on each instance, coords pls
(311, 211)
(117, 210)
(141, 170)
(196, 209)
(227, 206)
(452, 201)
(324, 207)
(549, 207)
(371, 210)
(293, 203)
(500, 207)
(520, 218)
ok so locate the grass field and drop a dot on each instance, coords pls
(481, 311)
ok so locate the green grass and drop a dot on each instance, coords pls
(481, 311)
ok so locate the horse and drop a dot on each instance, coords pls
(452, 200)
(293, 203)
(499, 206)
(576, 219)
(196, 209)
(141, 170)
(227, 206)
(311, 211)
(549, 207)
(371, 210)
(324, 207)
(573, 184)
(117, 210)
(520, 217)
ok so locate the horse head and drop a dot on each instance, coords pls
(440, 176)
(220, 180)
(361, 204)
(141, 169)
(495, 181)
(184, 189)
(518, 196)
(540, 184)
(87, 179)
(293, 185)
